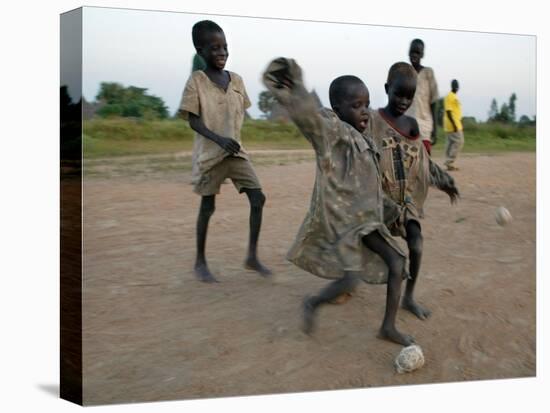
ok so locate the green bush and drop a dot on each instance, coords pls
(129, 101)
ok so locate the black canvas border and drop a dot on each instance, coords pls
(70, 186)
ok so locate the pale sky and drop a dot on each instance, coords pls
(154, 50)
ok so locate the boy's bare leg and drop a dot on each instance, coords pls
(395, 262)
(206, 210)
(414, 242)
(335, 289)
(257, 201)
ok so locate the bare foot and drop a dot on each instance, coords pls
(415, 308)
(255, 265)
(308, 316)
(203, 273)
(392, 334)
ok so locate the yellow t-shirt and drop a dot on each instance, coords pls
(451, 103)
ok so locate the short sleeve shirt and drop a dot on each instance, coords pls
(222, 112)
(426, 94)
(453, 105)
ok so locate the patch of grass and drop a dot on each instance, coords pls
(494, 137)
(105, 137)
(125, 136)
(104, 148)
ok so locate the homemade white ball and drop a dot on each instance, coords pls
(503, 216)
(409, 359)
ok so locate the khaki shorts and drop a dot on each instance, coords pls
(239, 170)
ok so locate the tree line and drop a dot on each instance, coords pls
(507, 112)
(113, 99)
(116, 100)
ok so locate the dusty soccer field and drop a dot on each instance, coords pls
(152, 332)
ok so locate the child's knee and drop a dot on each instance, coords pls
(397, 266)
(415, 245)
(414, 238)
(257, 199)
(207, 209)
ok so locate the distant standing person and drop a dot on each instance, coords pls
(423, 108)
(452, 124)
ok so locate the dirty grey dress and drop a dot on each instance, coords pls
(347, 199)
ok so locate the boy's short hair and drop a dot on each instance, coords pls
(339, 87)
(400, 69)
(417, 41)
(201, 28)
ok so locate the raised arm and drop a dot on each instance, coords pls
(283, 78)
(443, 181)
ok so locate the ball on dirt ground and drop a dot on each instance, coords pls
(410, 358)
(503, 216)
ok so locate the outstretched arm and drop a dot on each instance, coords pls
(283, 78)
(443, 181)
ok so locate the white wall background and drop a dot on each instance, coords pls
(30, 216)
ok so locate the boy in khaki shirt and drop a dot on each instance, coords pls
(214, 103)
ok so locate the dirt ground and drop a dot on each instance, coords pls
(152, 332)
